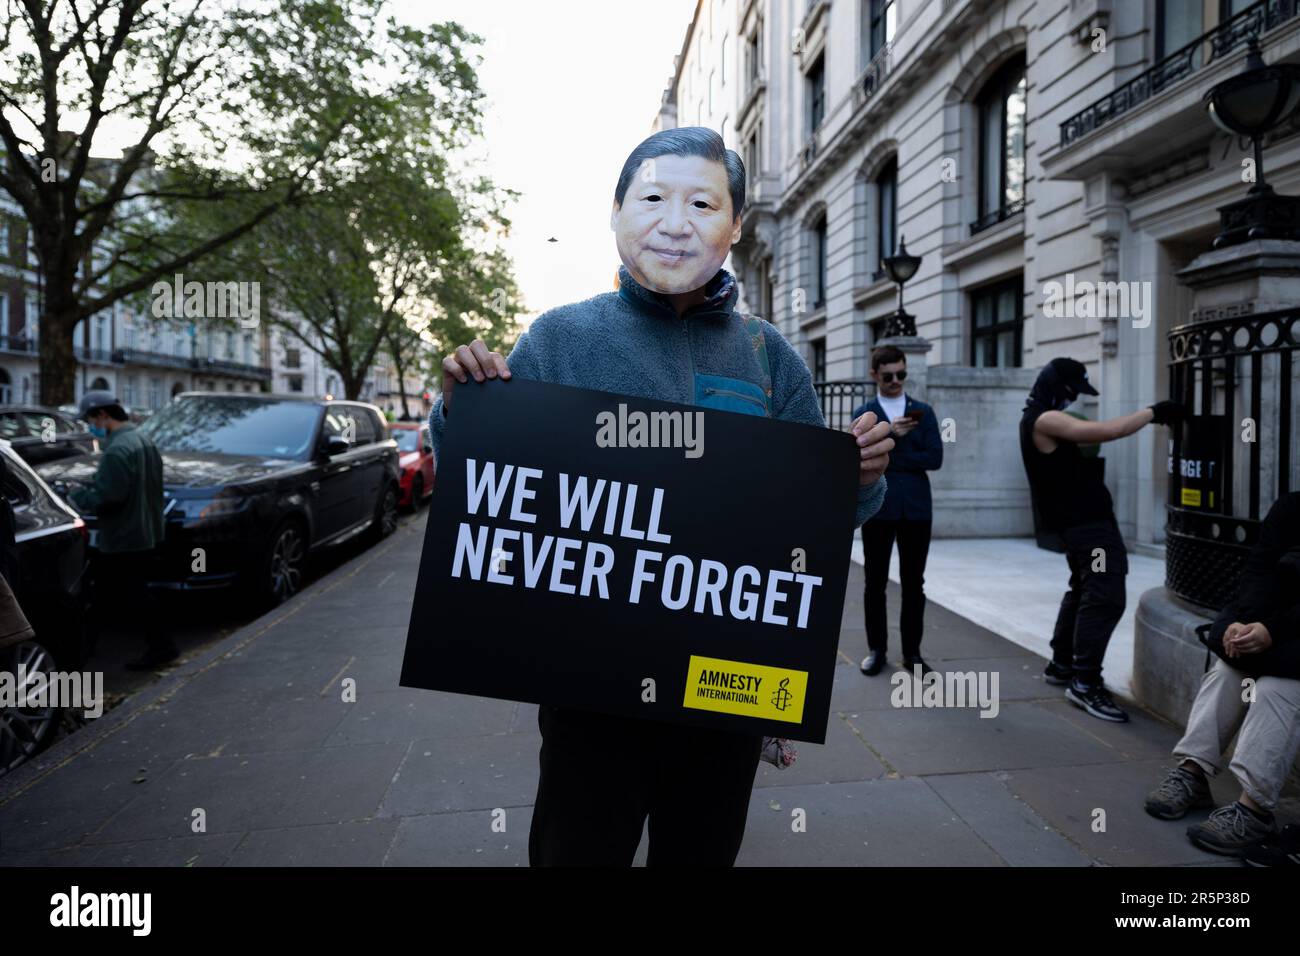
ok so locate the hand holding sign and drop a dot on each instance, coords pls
(874, 445)
(473, 359)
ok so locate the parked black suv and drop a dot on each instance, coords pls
(255, 482)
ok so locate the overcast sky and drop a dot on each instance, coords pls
(571, 87)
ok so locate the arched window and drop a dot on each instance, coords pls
(99, 384)
(1002, 116)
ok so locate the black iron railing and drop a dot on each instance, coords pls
(17, 343)
(839, 400)
(1001, 214)
(1234, 455)
(877, 71)
(1217, 43)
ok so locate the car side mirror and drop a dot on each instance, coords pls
(428, 448)
(335, 445)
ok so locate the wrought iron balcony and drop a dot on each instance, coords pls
(17, 343)
(1254, 21)
(877, 71)
(1001, 214)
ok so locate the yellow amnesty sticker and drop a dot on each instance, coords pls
(1192, 496)
(750, 690)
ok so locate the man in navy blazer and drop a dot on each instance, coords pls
(905, 516)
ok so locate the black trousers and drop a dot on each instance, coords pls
(878, 539)
(120, 596)
(1095, 601)
(602, 776)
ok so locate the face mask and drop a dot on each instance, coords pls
(98, 431)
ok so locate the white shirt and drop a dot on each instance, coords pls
(893, 407)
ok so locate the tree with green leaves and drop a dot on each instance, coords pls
(245, 105)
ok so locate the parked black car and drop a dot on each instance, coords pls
(51, 547)
(44, 434)
(256, 482)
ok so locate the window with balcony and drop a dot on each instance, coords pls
(816, 94)
(882, 20)
(1178, 23)
(1002, 117)
(886, 215)
(997, 324)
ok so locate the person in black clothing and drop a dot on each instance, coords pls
(1256, 637)
(905, 517)
(1070, 496)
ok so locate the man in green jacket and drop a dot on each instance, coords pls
(126, 498)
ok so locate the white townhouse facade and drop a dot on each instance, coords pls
(1022, 148)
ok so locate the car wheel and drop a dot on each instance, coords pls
(26, 731)
(284, 563)
(385, 522)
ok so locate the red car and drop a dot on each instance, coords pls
(415, 462)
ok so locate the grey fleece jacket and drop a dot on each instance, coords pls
(632, 342)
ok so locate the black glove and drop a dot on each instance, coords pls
(1167, 413)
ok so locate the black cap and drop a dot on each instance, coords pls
(1072, 374)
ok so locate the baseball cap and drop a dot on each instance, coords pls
(1073, 374)
(98, 398)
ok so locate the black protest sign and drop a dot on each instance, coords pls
(635, 557)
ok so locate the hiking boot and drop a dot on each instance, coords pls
(1231, 830)
(1280, 850)
(1180, 791)
(1058, 674)
(1096, 700)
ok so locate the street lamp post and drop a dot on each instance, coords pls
(900, 267)
(1250, 104)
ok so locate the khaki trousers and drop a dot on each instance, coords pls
(1269, 728)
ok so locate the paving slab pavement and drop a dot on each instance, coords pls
(254, 738)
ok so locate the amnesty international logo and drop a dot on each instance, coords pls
(782, 697)
(745, 689)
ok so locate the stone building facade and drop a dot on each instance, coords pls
(1028, 151)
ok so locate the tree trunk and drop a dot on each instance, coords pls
(58, 362)
(401, 383)
(58, 319)
(351, 384)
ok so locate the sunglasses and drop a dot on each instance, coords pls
(888, 377)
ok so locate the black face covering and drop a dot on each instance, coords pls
(1049, 392)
